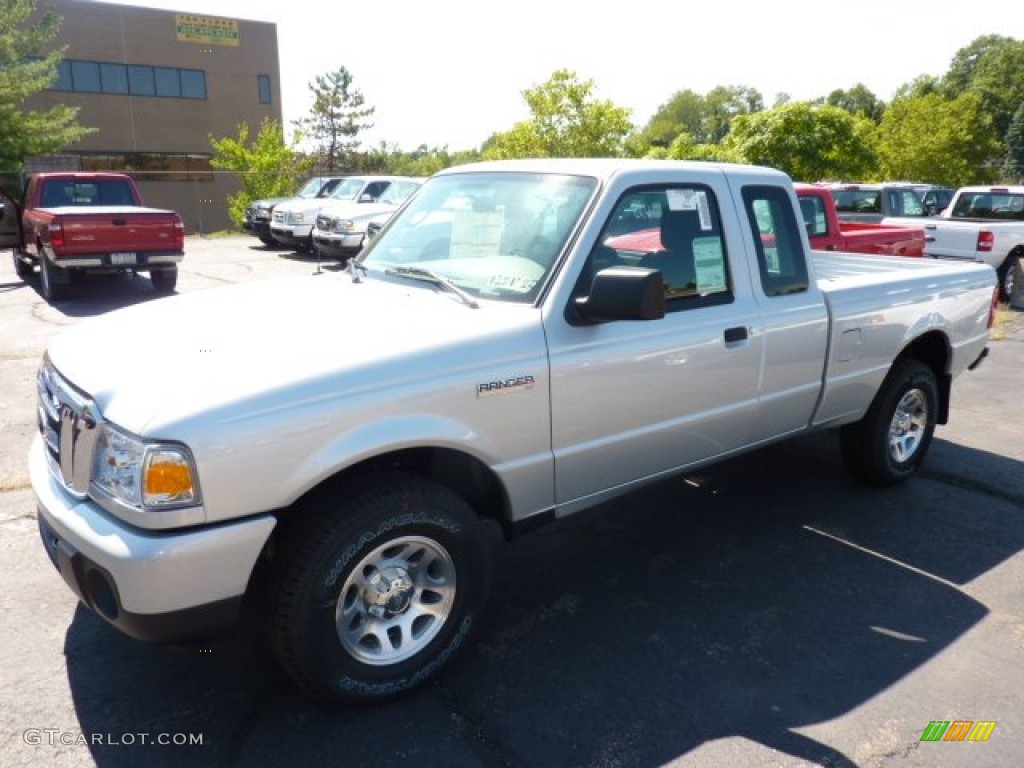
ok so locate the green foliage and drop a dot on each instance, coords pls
(992, 67)
(934, 139)
(683, 113)
(266, 165)
(857, 101)
(567, 121)
(807, 141)
(1013, 168)
(338, 115)
(685, 147)
(723, 105)
(423, 161)
(26, 69)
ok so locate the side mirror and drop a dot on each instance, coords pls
(624, 293)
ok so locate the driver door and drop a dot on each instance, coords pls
(10, 222)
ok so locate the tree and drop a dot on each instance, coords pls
(26, 69)
(567, 121)
(858, 100)
(1013, 168)
(934, 139)
(993, 67)
(723, 104)
(807, 141)
(683, 113)
(266, 165)
(335, 120)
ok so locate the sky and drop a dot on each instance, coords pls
(452, 72)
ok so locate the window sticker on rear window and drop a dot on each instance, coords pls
(709, 261)
(691, 200)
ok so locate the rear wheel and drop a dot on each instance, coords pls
(52, 287)
(1009, 274)
(887, 445)
(164, 278)
(377, 588)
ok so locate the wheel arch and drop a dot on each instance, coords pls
(460, 472)
(933, 349)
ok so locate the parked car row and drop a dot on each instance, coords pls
(347, 204)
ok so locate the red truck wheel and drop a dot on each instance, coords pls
(164, 279)
(51, 288)
(22, 268)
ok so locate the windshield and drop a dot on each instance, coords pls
(398, 191)
(494, 235)
(312, 187)
(348, 189)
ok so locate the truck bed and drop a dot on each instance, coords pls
(867, 334)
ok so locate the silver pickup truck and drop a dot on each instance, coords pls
(522, 341)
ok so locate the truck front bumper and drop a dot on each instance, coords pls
(291, 234)
(338, 246)
(168, 587)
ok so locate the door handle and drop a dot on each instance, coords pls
(732, 335)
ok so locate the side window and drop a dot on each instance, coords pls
(375, 188)
(912, 205)
(780, 255)
(674, 229)
(813, 211)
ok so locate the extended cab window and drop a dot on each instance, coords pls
(674, 229)
(780, 254)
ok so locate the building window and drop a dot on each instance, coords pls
(193, 84)
(168, 82)
(140, 80)
(85, 76)
(114, 78)
(264, 86)
(134, 79)
(63, 77)
(151, 166)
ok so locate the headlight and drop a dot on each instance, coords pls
(263, 213)
(143, 475)
(344, 225)
(298, 218)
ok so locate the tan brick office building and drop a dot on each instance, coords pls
(156, 84)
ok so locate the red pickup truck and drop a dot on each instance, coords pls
(72, 223)
(824, 230)
(827, 233)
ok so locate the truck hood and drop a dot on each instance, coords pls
(246, 347)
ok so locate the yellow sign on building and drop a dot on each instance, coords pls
(206, 30)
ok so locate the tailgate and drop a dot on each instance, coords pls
(115, 230)
(951, 240)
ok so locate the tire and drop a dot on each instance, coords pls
(888, 444)
(1009, 273)
(268, 241)
(377, 588)
(51, 289)
(22, 268)
(164, 279)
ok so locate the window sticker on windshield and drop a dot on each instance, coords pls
(519, 283)
(691, 200)
(709, 261)
(476, 234)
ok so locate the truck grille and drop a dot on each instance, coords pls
(67, 423)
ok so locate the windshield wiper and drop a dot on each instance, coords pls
(418, 273)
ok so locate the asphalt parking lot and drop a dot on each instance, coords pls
(769, 611)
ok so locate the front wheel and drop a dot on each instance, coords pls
(377, 588)
(887, 445)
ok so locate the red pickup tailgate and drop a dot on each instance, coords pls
(114, 229)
